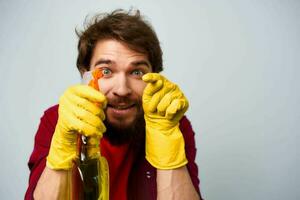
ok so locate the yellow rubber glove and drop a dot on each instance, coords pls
(164, 105)
(80, 111)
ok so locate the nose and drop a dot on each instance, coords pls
(122, 87)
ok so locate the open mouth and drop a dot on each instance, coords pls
(120, 106)
(121, 110)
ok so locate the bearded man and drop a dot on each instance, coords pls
(137, 115)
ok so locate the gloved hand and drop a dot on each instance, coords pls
(80, 111)
(164, 105)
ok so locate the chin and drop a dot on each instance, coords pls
(125, 130)
(121, 123)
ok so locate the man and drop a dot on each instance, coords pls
(137, 114)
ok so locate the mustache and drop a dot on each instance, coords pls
(123, 101)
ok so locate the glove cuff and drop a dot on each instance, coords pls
(61, 154)
(165, 149)
(104, 178)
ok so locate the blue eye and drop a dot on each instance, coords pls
(106, 71)
(138, 72)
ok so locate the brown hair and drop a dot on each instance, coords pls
(125, 26)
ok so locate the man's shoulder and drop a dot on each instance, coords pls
(185, 125)
(186, 130)
(184, 120)
(51, 110)
(46, 127)
(50, 115)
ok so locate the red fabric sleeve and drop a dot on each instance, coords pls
(190, 150)
(37, 160)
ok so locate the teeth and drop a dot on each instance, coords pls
(121, 107)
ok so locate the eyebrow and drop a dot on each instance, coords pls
(134, 63)
(103, 61)
(141, 62)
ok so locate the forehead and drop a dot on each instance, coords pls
(114, 49)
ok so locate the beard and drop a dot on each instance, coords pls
(120, 133)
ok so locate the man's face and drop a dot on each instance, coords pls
(122, 83)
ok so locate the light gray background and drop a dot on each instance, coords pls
(236, 61)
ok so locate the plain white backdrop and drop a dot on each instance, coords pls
(236, 61)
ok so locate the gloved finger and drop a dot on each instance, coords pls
(155, 83)
(93, 140)
(168, 91)
(152, 77)
(85, 104)
(69, 120)
(178, 106)
(89, 93)
(101, 115)
(156, 98)
(86, 116)
(165, 102)
(153, 87)
(80, 112)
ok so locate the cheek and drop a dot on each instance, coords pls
(105, 86)
(138, 86)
